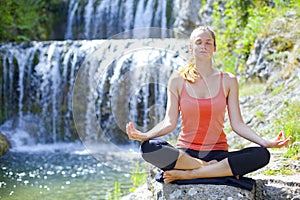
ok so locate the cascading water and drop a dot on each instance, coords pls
(37, 85)
(38, 79)
(95, 19)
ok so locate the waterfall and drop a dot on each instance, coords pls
(93, 19)
(106, 83)
(102, 84)
(36, 80)
(73, 6)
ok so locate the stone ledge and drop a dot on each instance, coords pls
(265, 188)
(204, 192)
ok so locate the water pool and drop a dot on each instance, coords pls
(64, 173)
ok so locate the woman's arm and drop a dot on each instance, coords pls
(236, 119)
(168, 124)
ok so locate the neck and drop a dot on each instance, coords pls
(204, 67)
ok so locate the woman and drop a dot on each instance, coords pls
(201, 94)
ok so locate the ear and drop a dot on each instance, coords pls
(191, 48)
(215, 48)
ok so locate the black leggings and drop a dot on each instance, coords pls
(164, 156)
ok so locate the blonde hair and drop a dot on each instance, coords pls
(190, 72)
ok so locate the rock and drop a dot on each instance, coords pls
(188, 18)
(196, 191)
(141, 193)
(275, 188)
(205, 192)
(274, 51)
(4, 144)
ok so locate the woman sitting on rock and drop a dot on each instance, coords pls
(201, 94)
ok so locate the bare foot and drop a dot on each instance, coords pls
(211, 162)
(173, 175)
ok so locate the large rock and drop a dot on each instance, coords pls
(278, 188)
(194, 192)
(4, 144)
(275, 51)
(205, 192)
(265, 188)
(187, 13)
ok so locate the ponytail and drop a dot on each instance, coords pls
(189, 72)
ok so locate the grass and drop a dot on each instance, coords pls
(249, 89)
(115, 194)
(138, 178)
(282, 171)
(288, 122)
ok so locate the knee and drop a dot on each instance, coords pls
(145, 146)
(263, 155)
(150, 146)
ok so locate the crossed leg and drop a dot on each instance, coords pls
(187, 162)
(208, 170)
(180, 165)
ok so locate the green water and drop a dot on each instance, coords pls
(63, 174)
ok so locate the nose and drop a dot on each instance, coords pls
(202, 45)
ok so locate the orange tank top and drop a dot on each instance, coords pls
(202, 121)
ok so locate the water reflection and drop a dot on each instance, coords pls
(64, 173)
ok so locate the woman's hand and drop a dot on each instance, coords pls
(279, 141)
(135, 134)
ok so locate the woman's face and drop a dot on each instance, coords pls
(202, 44)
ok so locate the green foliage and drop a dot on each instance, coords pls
(288, 122)
(115, 194)
(237, 25)
(282, 171)
(138, 177)
(293, 153)
(25, 20)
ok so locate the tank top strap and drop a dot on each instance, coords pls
(221, 88)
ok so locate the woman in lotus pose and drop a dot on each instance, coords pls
(202, 94)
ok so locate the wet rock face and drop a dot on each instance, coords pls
(4, 144)
(187, 16)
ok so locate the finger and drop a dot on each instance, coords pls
(127, 129)
(131, 125)
(279, 136)
(284, 142)
(132, 128)
(283, 135)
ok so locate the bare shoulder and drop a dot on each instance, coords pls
(176, 78)
(176, 81)
(230, 83)
(176, 75)
(229, 78)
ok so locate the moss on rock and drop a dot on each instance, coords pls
(4, 144)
